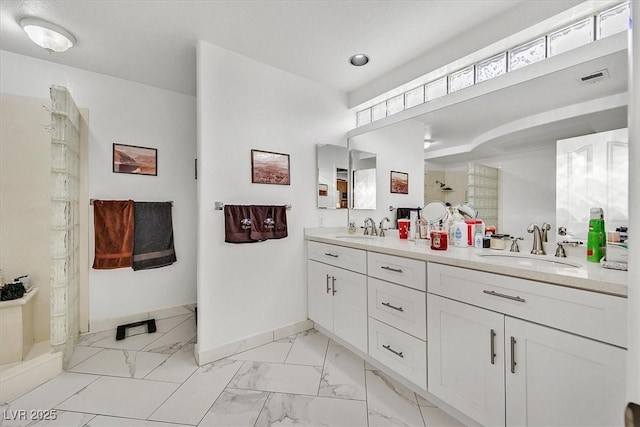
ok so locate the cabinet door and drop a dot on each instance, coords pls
(350, 307)
(465, 346)
(319, 295)
(561, 379)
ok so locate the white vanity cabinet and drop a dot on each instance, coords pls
(397, 315)
(499, 350)
(337, 291)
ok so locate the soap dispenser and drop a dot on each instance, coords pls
(596, 241)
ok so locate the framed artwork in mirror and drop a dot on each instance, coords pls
(399, 182)
(270, 168)
(135, 160)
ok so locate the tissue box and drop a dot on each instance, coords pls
(617, 252)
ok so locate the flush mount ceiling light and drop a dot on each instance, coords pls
(50, 37)
(359, 60)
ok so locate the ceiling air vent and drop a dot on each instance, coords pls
(595, 77)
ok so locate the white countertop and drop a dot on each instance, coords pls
(588, 276)
(20, 301)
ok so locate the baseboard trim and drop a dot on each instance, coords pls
(21, 378)
(110, 323)
(211, 355)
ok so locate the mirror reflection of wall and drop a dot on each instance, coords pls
(398, 147)
(332, 164)
(477, 185)
(526, 186)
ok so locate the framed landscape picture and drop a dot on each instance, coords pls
(270, 168)
(399, 182)
(135, 160)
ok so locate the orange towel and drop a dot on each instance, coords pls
(114, 226)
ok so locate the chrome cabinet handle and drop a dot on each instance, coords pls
(497, 294)
(333, 285)
(388, 347)
(493, 347)
(395, 270)
(328, 287)
(387, 304)
(331, 255)
(513, 355)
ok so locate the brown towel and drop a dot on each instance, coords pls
(113, 225)
(237, 224)
(268, 222)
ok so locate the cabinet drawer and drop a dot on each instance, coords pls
(401, 352)
(351, 259)
(400, 307)
(598, 316)
(407, 272)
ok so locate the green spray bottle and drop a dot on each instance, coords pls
(596, 242)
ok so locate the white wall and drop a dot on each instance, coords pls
(247, 289)
(25, 199)
(527, 189)
(398, 148)
(135, 114)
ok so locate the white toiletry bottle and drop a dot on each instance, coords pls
(460, 239)
(455, 217)
(477, 240)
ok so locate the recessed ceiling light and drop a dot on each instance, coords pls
(50, 37)
(359, 60)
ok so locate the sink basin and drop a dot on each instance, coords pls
(529, 261)
(356, 236)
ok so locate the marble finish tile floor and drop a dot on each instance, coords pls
(152, 380)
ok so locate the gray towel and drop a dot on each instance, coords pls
(153, 235)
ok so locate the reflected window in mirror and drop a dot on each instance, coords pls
(592, 171)
(363, 174)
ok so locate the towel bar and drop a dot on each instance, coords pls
(93, 200)
(220, 206)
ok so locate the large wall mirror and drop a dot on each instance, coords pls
(363, 176)
(333, 176)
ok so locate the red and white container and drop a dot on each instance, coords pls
(473, 226)
(439, 240)
(403, 228)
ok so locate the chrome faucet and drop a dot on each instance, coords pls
(514, 244)
(382, 225)
(560, 252)
(538, 248)
(544, 228)
(374, 232)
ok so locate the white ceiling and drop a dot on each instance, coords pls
(154, 42)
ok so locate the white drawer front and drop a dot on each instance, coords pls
(340, 256)
(407, 272)
(598, 316)
(400, 307)
(401, 352)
